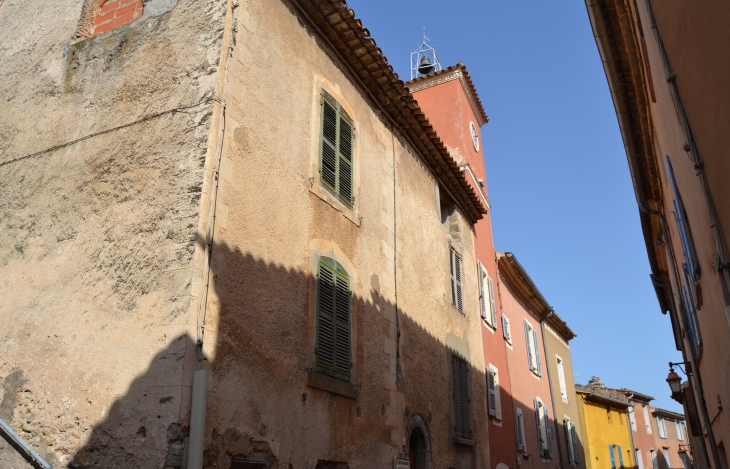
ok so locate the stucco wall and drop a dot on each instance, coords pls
(691, 51)
(525, 384)
(602, 426)
(274, 219)
(556, 345)
(97, 238)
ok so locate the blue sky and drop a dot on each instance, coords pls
(558, 179)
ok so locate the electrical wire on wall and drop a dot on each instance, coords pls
(215, 180)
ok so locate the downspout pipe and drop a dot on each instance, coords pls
(631, 430)
(20, 442)
(680, 320)
(550, 383)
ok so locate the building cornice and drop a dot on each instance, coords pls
(454, 72)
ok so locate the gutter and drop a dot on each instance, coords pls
(550, 383)
(20, 442)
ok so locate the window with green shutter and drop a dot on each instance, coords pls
(333, 320)
(460, 378)
(335, 149)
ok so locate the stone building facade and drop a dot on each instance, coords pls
(669, 83)
(245, 188)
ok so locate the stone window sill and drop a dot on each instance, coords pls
(464, 441)
(334, 385)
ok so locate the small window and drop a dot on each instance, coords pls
(486, 297)
(533, 351)
(647, 422)
(495, 404)
(667, 461)
(456, 289)
(679, 429)
(333, 320)
(632, 418)
(336, 150)
(561, 378)
(520, 430)
(544, 434)
(506, 331)
(460, 376)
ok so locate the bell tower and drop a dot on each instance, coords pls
(424, 60)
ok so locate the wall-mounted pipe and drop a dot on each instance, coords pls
(17, 439)
(196, 443)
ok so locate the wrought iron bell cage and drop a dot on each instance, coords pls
(424, 60)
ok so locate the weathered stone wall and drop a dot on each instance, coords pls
(273, 219)
(97, 238)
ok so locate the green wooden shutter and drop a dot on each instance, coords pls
(519, 427)
(336, 149)
(333, 320)
(344, 170)
(492, 392)
(575, 442)
(548, 431)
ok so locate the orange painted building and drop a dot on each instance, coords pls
(449, 100)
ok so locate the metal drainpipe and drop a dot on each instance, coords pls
(17, 439)
(695, 370)
(550, 383)
(631, 431)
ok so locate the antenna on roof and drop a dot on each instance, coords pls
(424, 59)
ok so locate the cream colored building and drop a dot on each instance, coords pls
(299, 232)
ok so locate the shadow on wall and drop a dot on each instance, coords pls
(261, 414)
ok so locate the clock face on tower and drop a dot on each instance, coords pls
(474, 136)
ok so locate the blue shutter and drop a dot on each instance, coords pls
(613, 458)
(620, 457)
(537, 354)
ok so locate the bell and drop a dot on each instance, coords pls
(425, 67)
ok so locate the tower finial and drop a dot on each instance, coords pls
(424, 59)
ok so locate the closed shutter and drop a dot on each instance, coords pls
(679, 430)
(491, 389)
(456, 288)
(336, 143)
(647, 422)
(333, 320)
(548, 432)
(667, 461)
(632, 418)
(661, 427)
(482, 294)
(613, 457)
(620, 457)
(520, 428)
(575, 442)
(561, 378)
(538, 422)
(654, 461)
(528, 341)
(492, 306)
(639, 460)
(506, 329)
(568, 440)
(460, 374)
(537, 353)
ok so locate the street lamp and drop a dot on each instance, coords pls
(675, 381)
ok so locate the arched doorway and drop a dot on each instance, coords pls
(418, 444)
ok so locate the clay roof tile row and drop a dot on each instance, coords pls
(351, 40)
